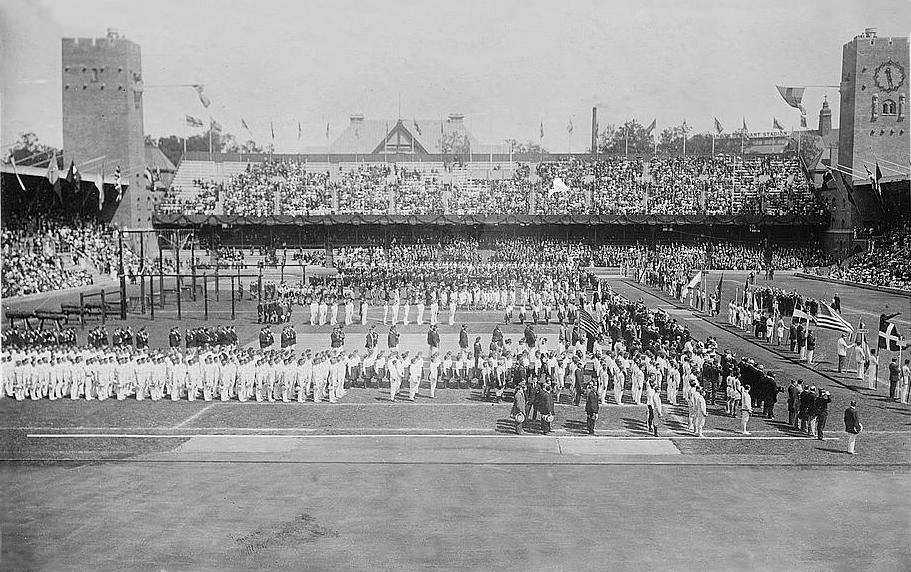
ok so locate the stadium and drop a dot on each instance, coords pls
(410, 348)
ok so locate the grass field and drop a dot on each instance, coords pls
(445, 484)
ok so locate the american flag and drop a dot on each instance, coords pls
(828, 319)
(588, 323)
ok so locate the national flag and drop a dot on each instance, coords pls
(718, 128)
(803, 120)
(651, 127)
(12, 160)
(745, 128)
(889, 338)
(775, 125)
(800, 315)
(792, 96)
(542, 130)
(587, 322)
(327, 131)
(99, 184)
(194, 121)
(150, 177)
(73, 176)
(697, 279)
(205, 101)
(118, 183)
(416, 126)
(300, 131)
(569, 128)
(875, 181)
(52, 175)
(844, 185)
(828, 319)
(272, 127)
(718, 288)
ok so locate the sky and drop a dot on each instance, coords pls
(508, 66)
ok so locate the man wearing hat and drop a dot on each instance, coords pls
(518, 408)
(794, 391)
(545, 407)
(822, 412)
(853, 426)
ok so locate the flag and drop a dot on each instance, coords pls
(542, 130)
(843, 185)
(718, 128)
(828, 319)
(52, 175)
(416, 126)
(118, 183)
(745, 128)
(792, 96)
(150, 177)
(272, 127)
(205, 101)
(874, 181)
(194, 121)
(99, 184)
(800, 315)
(889, 338)
(73, 176)
(12, 160)
(718, 289)
(775, 125)
(299, 130)
(569, 128)
(803, 120)
(327, 131)
(587, 322)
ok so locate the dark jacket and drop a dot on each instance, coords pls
(821, 406)
(793, 397)
(392, 339)
(592, 403)
(463, 339)
(545, 403)
(852, 422)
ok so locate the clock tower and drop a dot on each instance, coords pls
(873, 122)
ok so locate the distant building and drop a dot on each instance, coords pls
(409, 136)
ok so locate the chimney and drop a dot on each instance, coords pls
(594, 148)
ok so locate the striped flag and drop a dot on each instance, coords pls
(194, 121)
(588, 323)
(889, 338)
(828, 319)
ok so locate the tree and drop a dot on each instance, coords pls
(222, 142)
(455, 143)
(28, 151)
(528, 148)
(631, 137)
(671, 140)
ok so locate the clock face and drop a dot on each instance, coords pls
(889, 76)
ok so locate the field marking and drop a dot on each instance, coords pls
(426, 435)
(194, 416)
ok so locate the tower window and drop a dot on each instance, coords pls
(94, 75)
(888, 107)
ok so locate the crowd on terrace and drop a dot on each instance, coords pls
(672, 185)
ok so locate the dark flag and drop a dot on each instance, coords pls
(843, 185)
(889, 338)
(73, 177)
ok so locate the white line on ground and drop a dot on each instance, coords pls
(194, 416)
(406, 435)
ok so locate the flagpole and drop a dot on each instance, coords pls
(210, 138)
(713, 144)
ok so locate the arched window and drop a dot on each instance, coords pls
(888, 107)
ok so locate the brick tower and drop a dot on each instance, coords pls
(102, 117)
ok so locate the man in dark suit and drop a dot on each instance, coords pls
(433, 341)
(531, 399)
(852, 426)
(592, 405)
(372, 339)
(578, 388)
(546, 407)
(463, 338)
(794, 391)
(392, 338)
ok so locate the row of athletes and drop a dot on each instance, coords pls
(26, 337)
